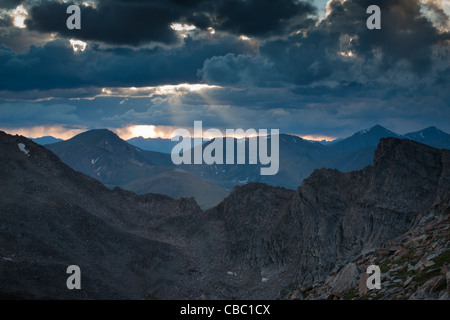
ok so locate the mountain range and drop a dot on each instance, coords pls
(46, 140)
(101, 154)
(260, 242)
(153, 144)
(299, 157)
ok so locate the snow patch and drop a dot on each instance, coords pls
(138, 150)
(94, 161)
(421, 134)
(7, 259)
(264, 279)
(231, 273)
(243, 181)
(23, 149)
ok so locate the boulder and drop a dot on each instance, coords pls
(345, 280)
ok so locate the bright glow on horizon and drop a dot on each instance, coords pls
(166, 132)
(145, 131)
(132, 131)
(56, 131)
(316, 137)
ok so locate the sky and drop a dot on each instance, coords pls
(147, 67)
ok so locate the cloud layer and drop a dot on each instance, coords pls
(274, 62)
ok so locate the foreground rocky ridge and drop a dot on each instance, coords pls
(260, 242)
(414, 266)
(52, 217)
(299, 236)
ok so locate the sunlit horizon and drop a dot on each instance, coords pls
(136, 131)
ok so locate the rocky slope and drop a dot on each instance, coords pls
(414, 266)
(127, 246)
(298, 237)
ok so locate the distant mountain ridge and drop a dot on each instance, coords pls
(46, 140)
(144, 171)
(364, 138)
(102, 155)
(431, 136)
(153, 144)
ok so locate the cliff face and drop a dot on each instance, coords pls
(333, 216)
(414, 265)
(260, 242)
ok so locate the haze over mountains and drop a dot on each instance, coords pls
(46, 140)
(260, 242)
(101, 154)
(153, 144)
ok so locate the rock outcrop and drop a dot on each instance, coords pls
(332, 216)
(414, 265)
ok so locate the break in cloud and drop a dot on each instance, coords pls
(262, 64)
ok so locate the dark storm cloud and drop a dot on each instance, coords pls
(10, 4)
(406, 34)
(404, 45)
(304, 82)
(115, 22)
(5, 22)
(138, 22)
(280, 63)
(242, 70)
(56, 66)
(29, 113)
(262, 17)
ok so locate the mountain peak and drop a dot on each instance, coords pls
(376, 129)
(433, 130)
(431, 136)
(364, 138)
(95, 136)
(99, 133)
